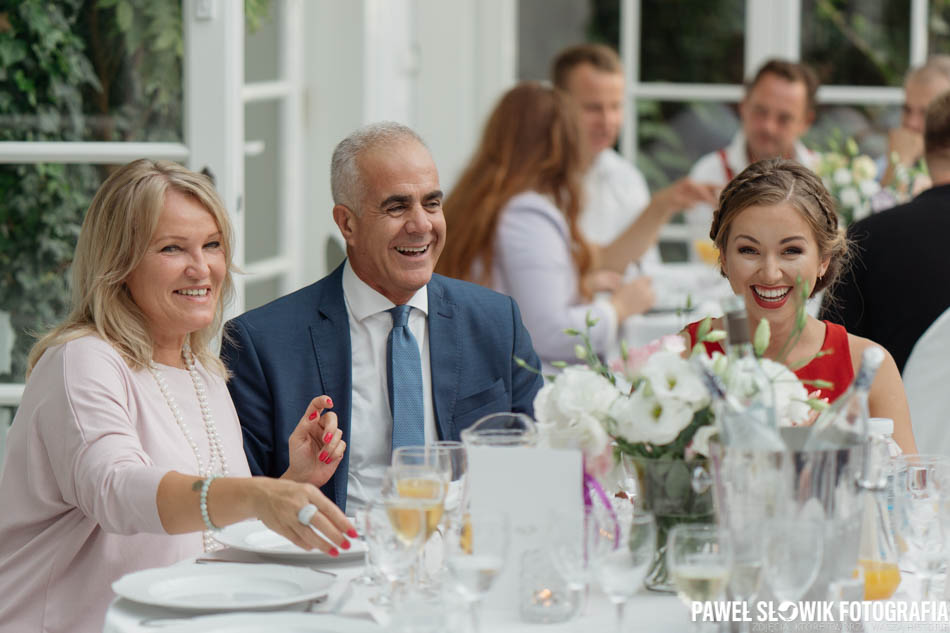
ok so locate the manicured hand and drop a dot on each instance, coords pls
(316, 447)
(277, 503)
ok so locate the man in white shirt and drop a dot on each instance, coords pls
(617, 194)
(777, 110)
(408, 356)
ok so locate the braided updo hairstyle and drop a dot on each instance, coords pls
(774, 181)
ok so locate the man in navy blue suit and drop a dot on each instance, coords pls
(335, 337)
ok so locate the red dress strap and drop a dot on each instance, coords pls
(835, 366)
(692, 329)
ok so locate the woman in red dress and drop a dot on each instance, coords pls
(775, 224)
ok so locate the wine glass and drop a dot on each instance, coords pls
(793, 553)
(622, 558)
(456, 494)
(421, 486)
(571, 551)
(699, 557)
(393, 531)
(476, 558)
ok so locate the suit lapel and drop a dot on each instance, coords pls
(330, 336)
(444, 356)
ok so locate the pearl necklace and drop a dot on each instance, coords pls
(215, 449)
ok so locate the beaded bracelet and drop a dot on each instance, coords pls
(204, 501)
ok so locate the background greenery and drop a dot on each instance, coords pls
(75, 70)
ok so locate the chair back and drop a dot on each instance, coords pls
(927, 383)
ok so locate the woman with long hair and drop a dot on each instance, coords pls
(513, 218)
(126, 452)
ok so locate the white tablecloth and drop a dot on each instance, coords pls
(646, 611)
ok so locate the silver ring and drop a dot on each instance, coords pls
(306, 513)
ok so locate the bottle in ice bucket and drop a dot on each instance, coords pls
(845, 422)
(878, 551)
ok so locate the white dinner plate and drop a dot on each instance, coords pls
(225, 587)
(254, 536)
(271, 622)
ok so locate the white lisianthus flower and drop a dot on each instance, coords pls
(849, 197)
(585, 432)
(700, 442)
(672, 379)
(869, 187)
(863, 168)
(642, 418)
(791, 397)
(670, 417)
(842, 176)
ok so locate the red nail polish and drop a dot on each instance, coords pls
(327, 438)
(345, 544)
(323, 456)
(352, 533)
(334, 552)
(313, 416)
(329, 403)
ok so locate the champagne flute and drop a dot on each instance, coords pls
(793, 553)
(699, 557)
(622, 563)
(476, 558)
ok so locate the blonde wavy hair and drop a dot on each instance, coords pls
(115, 234)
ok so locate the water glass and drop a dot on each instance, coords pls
(793, 555)
(621, 560)
(476, 558)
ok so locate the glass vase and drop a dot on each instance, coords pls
(673, 491)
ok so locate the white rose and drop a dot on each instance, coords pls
(671, 378)
(842, 176)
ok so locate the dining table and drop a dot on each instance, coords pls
(349, 607)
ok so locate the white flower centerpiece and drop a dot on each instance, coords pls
(652, 411)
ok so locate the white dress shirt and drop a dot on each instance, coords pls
(371, 419)
(616, 194)
(711, 169)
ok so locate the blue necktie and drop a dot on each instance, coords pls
(405, 381)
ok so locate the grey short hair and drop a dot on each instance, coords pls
(345, 183)
(935, 66)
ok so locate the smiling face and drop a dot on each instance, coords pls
(177, 283)
(394, 240)
(775, 115)
(599, 96)
(767, 249)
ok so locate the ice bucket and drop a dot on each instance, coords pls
(751, 485)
